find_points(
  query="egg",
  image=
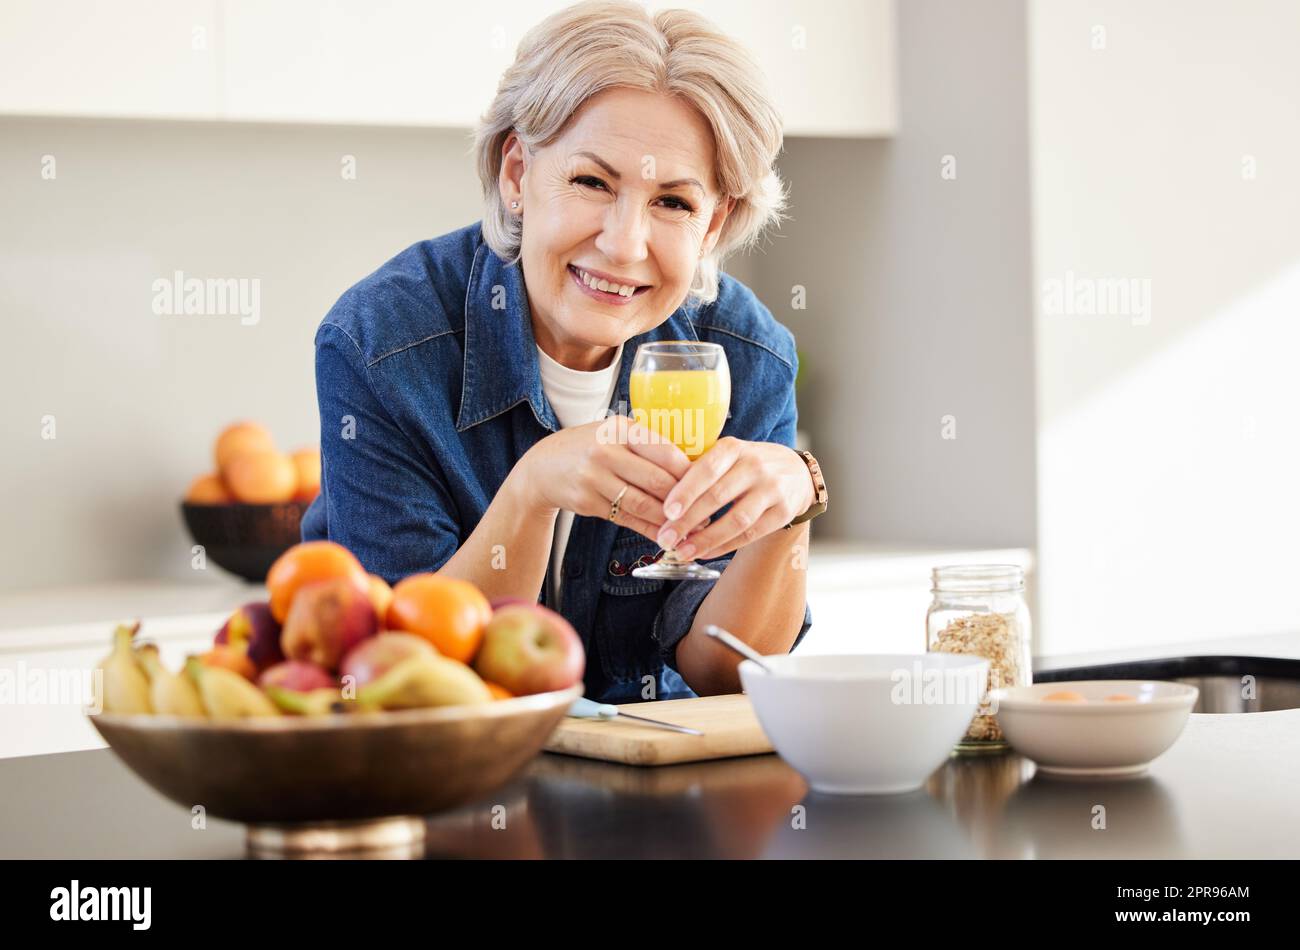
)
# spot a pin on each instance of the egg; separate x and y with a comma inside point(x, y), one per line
point(1121, 698)
point(1064, 696)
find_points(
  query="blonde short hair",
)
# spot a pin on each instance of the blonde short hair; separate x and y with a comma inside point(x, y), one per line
point(601, 44)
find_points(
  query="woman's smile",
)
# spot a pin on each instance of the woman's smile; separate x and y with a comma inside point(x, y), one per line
point(588, 283)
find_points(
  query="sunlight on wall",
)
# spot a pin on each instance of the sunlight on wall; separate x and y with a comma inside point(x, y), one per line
point(1168, 506)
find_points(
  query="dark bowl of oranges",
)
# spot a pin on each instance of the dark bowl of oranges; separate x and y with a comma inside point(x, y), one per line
point(248, 510)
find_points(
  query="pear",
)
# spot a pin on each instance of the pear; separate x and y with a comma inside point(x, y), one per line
point(170, 693)
point(425, 680)
point(314, 702)
point(226, 695)
point(123, 686)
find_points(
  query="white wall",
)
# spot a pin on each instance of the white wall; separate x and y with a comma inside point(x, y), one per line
point(138, 398)
point(1167, 446)
point(919, 292)
point(918, 302)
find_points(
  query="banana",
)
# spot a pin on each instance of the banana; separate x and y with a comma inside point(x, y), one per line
point(170, 693)
point(226, 695)
point(123, 685)
point(425, 680)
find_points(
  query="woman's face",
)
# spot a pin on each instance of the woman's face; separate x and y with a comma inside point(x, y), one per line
point(627, 193)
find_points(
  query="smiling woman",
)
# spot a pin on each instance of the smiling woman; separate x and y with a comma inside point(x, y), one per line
point(465, 386)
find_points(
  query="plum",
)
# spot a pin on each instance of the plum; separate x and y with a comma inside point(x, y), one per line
point(253, 629)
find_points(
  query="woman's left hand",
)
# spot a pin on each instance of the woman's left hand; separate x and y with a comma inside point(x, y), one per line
point(769, 484)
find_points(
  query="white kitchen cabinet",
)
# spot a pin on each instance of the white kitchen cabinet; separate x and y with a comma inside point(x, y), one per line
point(140, 59)
point(830, 64)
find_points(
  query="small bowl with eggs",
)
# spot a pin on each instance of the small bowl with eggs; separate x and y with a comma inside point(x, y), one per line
point(1097, 728)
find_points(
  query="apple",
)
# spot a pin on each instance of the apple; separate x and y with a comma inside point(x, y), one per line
point(373, 658)
point(298, 676)
point(381, 595)
point(528, 648)
point(254, 629)
point(228, 657)
point(326, 620)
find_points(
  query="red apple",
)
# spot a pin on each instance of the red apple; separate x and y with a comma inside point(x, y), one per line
point(326, 620)
point(296, 675)
point(528, 648)
point(254, 629)
point(373, 658)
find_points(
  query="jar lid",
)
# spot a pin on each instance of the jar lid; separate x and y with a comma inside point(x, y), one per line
point(977, 578)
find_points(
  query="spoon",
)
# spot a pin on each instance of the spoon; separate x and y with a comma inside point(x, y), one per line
point(737, 645)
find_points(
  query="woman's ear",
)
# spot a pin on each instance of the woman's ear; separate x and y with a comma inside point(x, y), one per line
point(513, 165)
point(720, 214)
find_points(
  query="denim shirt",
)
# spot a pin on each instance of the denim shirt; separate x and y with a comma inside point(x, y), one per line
point(429, 392)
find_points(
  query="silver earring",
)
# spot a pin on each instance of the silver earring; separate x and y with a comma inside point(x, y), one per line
point(514, 205)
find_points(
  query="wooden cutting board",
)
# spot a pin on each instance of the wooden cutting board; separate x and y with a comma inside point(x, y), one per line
point(728, 722)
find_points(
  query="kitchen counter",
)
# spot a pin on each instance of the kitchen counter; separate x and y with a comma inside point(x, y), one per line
point(1225, 790)
point(63, 632)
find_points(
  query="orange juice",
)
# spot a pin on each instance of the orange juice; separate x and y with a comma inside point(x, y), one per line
point(686, 406)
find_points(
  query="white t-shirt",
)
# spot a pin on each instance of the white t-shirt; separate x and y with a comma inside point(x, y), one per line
point(578, 398)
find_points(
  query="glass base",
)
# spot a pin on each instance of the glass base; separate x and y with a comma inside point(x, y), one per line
point(669, 570)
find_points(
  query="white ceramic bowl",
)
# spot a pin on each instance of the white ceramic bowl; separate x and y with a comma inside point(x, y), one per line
point(1094, 738)
point(866, 724)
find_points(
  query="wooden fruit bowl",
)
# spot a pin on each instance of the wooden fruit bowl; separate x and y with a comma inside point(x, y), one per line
point(288, 776)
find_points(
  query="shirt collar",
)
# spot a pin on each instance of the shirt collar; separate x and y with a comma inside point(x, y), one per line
point(501, 366)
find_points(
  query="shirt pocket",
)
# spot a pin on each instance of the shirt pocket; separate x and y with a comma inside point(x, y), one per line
point(627, 609)
point(629, 551)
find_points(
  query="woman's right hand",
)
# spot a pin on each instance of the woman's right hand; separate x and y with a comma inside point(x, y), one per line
point(583, 468)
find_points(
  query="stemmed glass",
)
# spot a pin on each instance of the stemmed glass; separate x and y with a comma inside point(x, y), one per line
point(681, 389)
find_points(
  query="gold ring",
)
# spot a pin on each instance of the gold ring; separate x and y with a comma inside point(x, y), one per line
point(613, 508)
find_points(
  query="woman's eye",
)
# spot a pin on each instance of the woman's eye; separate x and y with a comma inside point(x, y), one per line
point(590, 181)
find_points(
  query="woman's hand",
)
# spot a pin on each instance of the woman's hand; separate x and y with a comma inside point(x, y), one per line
point(769, 484)
point(583, 468)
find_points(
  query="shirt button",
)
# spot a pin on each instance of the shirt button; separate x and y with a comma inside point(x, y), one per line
point(575, 569)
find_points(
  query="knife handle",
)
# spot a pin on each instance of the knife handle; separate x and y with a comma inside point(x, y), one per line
point(589, 709)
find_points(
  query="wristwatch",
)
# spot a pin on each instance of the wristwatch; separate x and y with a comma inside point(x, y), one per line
point(819, 486)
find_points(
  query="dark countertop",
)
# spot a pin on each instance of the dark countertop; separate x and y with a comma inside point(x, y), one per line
point(1226, 789)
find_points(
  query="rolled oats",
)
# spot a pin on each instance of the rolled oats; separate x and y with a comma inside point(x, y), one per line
point(993, 636)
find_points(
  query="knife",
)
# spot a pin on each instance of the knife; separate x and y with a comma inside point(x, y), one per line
point(588, 709)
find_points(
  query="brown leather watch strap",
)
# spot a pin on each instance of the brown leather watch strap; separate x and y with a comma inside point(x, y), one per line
point(819, 487)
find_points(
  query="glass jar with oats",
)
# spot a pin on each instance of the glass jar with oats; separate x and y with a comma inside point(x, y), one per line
point(980, 609)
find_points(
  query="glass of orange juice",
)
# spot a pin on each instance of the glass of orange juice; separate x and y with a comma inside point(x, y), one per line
point(681, 389)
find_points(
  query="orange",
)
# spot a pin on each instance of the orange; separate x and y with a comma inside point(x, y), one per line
point(498, 692)
point(262, 478)
point(307, 463)
point(448, 612)
point(307, 563)
point(239, 438)
point(208, 490)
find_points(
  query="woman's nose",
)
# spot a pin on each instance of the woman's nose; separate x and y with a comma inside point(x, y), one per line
point(623, 238)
